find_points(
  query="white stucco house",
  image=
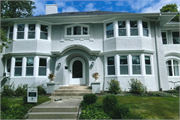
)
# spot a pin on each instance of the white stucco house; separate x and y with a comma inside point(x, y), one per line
point(74, 45)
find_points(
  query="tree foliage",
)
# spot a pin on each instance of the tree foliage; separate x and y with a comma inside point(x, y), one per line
point(16, 9)
point(171, 8)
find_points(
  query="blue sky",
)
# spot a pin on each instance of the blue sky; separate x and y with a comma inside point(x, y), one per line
point(133, 6)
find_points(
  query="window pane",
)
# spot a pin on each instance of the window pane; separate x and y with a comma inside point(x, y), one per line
point(176, 40)
point(147, 60)
point(44, 35)
point(31, 35)
point(168, 62)
point(77, 30)
point(175, 34)
point(136, 69)
point(134, 32)
point(110, 33)
point(31, 27)
point(164, 40)
point(121, 24)
point(30, 61)
point(11, 29)
point(148, 69)
point(85, 30)
point(11, 35)
point(123, 69)
point(20, 27)
point(169, 70)
point(8, 65)
point(111, 70)
point(44, 28)
point(42, 71)
point(133, 24)
point(29, 71)
point(175, 62)
point(145, 32)
point(163, 34)
point(176, 70)
point(123, 59)
point(68, 31)
point(42, 62)
point(110, 60)
point(135, 60)
point(122, 32)
point(20, 35)
point(109, 26)
point(18, 71)
point(18, 62)
point(145, 24)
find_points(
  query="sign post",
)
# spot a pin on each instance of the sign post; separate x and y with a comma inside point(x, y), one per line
point(32, 94)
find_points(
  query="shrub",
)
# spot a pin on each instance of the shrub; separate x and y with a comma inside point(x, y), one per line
point(177, 87)
point(41, 90)
point(93, 111)
point(114, 86)
point(90, 98)
point(137, 87)
point(25, 99)
point(4, 104)
point(21, 90)
point(8, 90)
point(108, 102)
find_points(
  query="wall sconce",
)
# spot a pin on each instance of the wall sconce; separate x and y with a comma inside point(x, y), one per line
point(92, 63)
point(59, 64)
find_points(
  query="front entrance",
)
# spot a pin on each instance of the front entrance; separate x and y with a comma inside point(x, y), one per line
point(77, 71)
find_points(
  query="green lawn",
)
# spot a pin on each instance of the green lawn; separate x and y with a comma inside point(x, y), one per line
point(151, 107)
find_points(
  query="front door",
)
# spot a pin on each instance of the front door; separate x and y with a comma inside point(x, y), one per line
point(77, 71)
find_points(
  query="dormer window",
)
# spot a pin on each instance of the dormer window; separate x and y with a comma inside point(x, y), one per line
point(77, 30)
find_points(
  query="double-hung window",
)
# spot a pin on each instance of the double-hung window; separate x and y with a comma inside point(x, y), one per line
point(134, 28)
point(20, 31)
point(145, 28)
point(44, 32)
point(18, 67)
point(69, 32)
point(176, 39)
point(123, 65)
point(11, 32)
point(29, 66)
point(164, 39)
point(122, 28)
point(148, 64)
point(85, 30)
point(109, 30)
point(9, 65)
point(110, 66)
point(42, 67)
point(136, 66)
point(31, 31)
point(172, 67)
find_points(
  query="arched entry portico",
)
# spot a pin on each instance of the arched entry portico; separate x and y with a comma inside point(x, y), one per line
point(77, 71)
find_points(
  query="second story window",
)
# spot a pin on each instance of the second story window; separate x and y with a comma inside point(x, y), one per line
point(145, 28)
point(77, 30)
point(175, 36)
point(122, 28)
point(164, 39)
point(69, 31)
point(31, 31)
point(109, 30)
point(134, 28)
point(44, 32)
point(20, 31)
point(148, 64)
point(11, 32)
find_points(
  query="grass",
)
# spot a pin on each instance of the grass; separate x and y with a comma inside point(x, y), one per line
point(151, 107)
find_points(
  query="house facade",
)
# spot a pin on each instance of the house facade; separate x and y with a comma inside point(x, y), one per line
point(74, 45)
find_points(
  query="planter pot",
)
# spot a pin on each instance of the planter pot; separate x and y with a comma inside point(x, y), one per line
point(97, 76)
point(51, 80)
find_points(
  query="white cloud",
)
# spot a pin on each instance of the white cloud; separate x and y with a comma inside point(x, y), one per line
point(60, 4)
point(110, 8)
point(120, 3)
point(40, 7)
point(89, 7)
point(107, 2)
point(69, 9)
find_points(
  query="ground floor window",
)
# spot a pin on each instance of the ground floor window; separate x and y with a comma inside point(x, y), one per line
point(172, 67)
point(136, 66)
point(18, 67)
point(42, 66)
point(111, 66)
point(123, 65)
point(29, 66)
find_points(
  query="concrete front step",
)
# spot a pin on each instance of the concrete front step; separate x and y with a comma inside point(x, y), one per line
point(52, 115)
point(55, 109)
point(70, 93)
point(75, 87)
point(73, 90)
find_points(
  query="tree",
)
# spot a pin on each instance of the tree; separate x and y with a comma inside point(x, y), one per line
point(16, 9)
point(171, 8)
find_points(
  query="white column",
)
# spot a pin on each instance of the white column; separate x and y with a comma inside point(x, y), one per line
point(130, 64)
point(149, 29)
point(15, 32)
point(36, 66)
point(127, 28)
point(142, 59)
point(49, 32)
point(48, 66)
point(115, 27)
point(37, 31)
point(104, 30)
point(26, 32)
point(140, 32)
point(12, 67)
point(24, 66)
point(117, 72)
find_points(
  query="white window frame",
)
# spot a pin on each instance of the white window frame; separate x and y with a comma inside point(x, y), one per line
point(31, 31)
point(166, 38)
point(106, 64)
point(72, 30)
point(140, 59)
point(172, 37)
point(123, 65)
point(30, 66)
point(44, 32)
point(133, 28)
point(172, 66)
point(148, 65)
point(106, 30)
point(148, 25)
point(43, 66)
point(122, 28)
point(19, 67)
point(21, 31)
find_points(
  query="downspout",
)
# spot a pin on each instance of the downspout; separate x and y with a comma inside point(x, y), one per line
point(155, 29)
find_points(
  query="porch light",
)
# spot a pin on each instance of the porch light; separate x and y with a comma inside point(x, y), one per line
point(59, 64)
point(92, 63)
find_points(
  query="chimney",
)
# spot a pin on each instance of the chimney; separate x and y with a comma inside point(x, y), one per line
point(51, 9)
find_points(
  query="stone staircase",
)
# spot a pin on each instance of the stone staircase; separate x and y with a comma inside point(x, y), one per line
point(67, 108)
